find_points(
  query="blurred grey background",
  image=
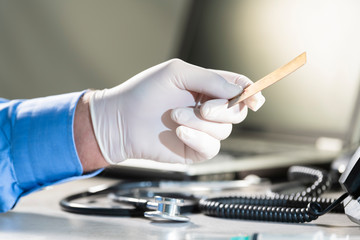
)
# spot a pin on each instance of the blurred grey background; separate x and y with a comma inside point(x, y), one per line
point(59, 46)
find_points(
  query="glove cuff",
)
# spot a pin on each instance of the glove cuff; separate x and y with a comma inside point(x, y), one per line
point(107, 125)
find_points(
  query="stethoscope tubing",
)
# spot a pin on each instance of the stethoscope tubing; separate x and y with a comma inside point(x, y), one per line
point(68, 203)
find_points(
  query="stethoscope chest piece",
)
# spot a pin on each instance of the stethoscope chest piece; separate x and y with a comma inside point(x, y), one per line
point(166, 209)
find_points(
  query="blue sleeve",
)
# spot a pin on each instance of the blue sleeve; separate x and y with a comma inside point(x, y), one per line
point(37, 146)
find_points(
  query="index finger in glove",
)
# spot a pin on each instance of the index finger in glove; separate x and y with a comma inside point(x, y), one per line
point(254, 102)
point(217, 110)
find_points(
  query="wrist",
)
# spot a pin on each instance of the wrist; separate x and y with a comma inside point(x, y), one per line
point(86, 145)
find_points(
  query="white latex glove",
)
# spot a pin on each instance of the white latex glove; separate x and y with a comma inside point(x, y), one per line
point(153, 115)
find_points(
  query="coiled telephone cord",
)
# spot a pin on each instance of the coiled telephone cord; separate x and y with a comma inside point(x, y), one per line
point(299, 207)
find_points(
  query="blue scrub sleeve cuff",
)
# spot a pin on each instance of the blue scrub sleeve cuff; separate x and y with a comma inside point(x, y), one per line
point(43, 146)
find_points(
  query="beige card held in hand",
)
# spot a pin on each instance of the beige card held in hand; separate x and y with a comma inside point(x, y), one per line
point(269, 79)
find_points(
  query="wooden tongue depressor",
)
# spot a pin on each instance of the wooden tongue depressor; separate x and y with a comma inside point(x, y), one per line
point(269, 79)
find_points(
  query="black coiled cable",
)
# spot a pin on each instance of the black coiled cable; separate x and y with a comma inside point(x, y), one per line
point(299, 207)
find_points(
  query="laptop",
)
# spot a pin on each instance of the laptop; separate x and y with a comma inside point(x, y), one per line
point(309, 118)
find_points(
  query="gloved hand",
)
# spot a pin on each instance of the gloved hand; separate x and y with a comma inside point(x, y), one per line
point(153, 115)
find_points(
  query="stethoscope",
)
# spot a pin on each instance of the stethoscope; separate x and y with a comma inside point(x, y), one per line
point(158, 200)
point(170, 200)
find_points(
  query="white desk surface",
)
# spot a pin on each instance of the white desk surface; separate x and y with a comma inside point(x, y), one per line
point(38, 216)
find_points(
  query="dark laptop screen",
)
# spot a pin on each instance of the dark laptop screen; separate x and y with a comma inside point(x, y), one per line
point(254, 37)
